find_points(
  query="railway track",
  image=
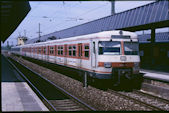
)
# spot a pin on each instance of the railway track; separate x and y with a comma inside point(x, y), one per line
point(158, 101)
point(150, 101)
point(144, 102)
point(53, 96)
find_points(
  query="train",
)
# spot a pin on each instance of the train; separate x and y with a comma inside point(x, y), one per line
point(104, 55)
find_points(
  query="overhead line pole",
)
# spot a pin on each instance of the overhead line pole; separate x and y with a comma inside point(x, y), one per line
point(39, 32)
point(112, 7)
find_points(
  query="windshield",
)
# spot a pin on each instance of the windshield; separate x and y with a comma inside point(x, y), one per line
point(109, 48)
point(131, 48)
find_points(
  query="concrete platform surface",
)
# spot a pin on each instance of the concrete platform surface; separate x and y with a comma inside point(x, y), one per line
point(156, 75)
point(18, 96)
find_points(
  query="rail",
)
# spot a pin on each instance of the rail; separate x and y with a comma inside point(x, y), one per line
point(62, 90)
point(137, 99)
point(32, 86)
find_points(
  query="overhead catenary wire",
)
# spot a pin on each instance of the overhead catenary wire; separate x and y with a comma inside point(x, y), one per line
point(48, 28)
point(89, 11)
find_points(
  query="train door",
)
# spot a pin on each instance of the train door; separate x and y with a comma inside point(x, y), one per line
point(93, 54)
point(44, 52)
point(65, 54)
point(79, 55)
point(47, 54)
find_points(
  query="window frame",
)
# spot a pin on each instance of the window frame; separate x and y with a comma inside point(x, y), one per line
point(51, 53)
point(84, 50)
point(121, 48)
point(60, 50)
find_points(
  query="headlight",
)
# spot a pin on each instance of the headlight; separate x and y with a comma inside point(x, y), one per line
point(123, 58)
point(107, 64)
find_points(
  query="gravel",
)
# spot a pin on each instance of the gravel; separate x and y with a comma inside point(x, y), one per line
point(99, 99)
point(148, 99)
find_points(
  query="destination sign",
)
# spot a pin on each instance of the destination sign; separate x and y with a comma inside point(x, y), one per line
point(120, 36)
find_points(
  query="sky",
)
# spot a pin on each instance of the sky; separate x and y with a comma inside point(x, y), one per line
point(57, 15)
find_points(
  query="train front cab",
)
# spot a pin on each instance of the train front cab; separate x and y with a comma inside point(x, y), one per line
point(118, 60)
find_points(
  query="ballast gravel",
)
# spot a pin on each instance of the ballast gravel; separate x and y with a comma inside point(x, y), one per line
point(99, 99)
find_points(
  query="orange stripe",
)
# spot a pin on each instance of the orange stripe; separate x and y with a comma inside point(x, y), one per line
point(86, 69)
point(117, 64)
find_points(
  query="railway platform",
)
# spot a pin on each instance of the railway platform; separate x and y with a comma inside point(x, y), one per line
point(16, 95)
point(152, 74)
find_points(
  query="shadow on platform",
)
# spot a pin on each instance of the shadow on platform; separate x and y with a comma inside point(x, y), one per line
point(8, 74)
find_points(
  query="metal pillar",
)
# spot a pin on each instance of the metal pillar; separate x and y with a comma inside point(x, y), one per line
point(39, 32)
point(153, 45)
point(112, 7)
point(85, 85)
point(153, 35)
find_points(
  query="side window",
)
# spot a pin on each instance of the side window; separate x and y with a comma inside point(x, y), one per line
point(70, 50)
point(35, 50)
point(65, 50)
point(94, 49)
point(39, 50)
point(58, 50)
point(61, 50)
point(74, 50)
point(51, 50)
point(44, 50)
point(86, 51)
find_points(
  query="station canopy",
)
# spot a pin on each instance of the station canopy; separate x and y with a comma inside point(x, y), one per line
point(12, 14)
point(153, 15)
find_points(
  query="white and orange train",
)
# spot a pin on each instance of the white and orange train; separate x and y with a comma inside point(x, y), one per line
point(103, 55)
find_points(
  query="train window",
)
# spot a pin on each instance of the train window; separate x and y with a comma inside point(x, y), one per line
point(35, 50)
point(39, 50)
point(74, 50)
point(109, 48)
point(70, 50)
point(44, 50)
point(131, 48)
point(61, 50)
point(86, 50)
point(94, 50)
point(58, 50)
point(65, 50)
point(51, 50)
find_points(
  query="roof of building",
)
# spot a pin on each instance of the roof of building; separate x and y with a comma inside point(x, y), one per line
point(12, 14)
point(141, 18)
point(160, 37)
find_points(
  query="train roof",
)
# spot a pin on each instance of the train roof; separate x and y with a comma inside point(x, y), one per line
point(94, 35)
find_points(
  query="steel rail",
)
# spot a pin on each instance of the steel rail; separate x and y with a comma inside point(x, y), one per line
point(137, 101)
point(143, 93)
point(62, 90)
